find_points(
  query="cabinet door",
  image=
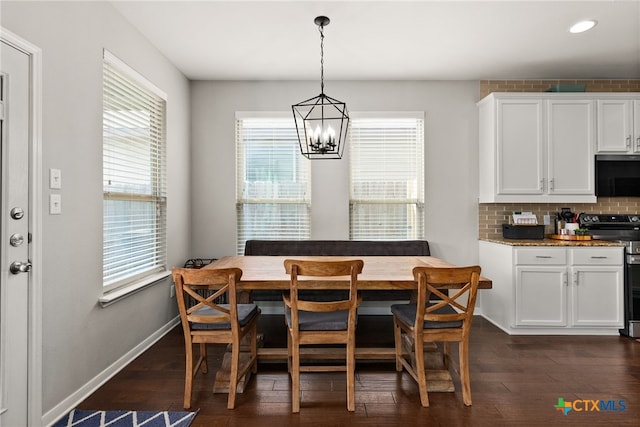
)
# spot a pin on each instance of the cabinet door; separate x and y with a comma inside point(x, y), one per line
point(570, 142)
point(615, 125)
point(597, 296)
point(636, 126)
point(520, 147)
point(541, 296)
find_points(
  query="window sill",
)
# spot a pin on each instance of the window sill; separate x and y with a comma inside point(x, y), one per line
point(110, 297)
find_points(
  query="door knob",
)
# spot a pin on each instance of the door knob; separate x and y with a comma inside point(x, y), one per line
point(20, 267)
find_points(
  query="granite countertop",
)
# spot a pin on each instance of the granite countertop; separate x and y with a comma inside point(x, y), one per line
point(552, 242)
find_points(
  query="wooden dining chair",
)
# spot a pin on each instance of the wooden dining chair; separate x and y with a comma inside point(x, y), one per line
point(205, 321)
point(327, 322)
point(445, 320)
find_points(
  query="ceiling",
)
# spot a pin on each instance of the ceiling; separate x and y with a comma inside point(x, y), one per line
point(392, 40)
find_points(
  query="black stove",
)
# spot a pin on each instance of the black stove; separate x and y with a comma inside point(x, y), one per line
point(625, 229)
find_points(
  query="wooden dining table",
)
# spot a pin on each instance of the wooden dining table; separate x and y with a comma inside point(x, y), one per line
point(379, 273)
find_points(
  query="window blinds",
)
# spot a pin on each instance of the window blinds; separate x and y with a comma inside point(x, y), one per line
point(273, 188)
point(134, 163)
point(387, 177)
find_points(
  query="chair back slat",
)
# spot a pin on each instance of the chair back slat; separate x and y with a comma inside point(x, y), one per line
point(189, 284)
point(432, 280)
point(301, 270)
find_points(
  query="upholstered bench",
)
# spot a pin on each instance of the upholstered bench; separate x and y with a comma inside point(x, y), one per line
point(353, 248)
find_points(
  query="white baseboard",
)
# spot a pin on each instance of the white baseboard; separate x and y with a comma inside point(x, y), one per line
point(85, 391)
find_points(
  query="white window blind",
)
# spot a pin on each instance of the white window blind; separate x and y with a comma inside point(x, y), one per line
point(273, 186)
point(134, 157)
point(387, 176)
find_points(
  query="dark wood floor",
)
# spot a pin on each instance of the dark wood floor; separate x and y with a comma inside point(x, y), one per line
point(515, 381)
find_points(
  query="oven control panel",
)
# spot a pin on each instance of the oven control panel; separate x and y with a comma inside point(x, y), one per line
point(609, 219)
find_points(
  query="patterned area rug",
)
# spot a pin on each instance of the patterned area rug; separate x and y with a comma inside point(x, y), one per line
point(80, 418)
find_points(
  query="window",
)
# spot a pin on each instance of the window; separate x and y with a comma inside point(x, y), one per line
point(134, 156)
point(273, 187)
point(387, 176)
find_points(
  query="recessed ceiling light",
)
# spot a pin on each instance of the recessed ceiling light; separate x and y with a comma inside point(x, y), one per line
point(582, 26)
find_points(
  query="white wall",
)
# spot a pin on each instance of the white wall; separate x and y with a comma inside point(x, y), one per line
point(451, 135)
point(80, 339)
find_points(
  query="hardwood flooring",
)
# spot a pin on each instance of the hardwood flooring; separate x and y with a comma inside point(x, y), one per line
point(515, 381)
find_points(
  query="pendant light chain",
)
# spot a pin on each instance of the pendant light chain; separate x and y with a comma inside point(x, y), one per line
point(321, 27)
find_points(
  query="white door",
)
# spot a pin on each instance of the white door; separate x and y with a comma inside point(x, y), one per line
point(15, 115)
point(570, 140)
point(520, 147)
point(615, 125)
point(597, 296)
point(541, 296)
point(636, 126)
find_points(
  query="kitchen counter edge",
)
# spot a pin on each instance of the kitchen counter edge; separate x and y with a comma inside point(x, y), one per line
point(552, 242)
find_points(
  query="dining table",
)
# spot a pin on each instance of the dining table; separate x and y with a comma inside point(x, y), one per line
point(379, 273)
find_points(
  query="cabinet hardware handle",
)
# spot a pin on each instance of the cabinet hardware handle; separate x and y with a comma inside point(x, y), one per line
point(542, 184)
point(564, 278)
point(628, 141)
point(551, 184)
point(543, 256)
point(599, 257)
point(638, 143)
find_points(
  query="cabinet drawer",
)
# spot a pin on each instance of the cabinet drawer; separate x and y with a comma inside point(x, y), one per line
point(541, 256)
point(597, 256)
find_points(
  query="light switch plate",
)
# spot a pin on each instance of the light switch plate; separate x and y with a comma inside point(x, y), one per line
point(55, 204)
point(55, 179)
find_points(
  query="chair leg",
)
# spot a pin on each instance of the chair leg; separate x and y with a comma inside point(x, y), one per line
point(188, 375)
point(233, 375)
point(351, 377)
point(397, 337)
point(463, 349)
point(289, 353)
point(254, 347)
point(203, 356)
point(420, 369)
point(445, 354)
point(295, 379)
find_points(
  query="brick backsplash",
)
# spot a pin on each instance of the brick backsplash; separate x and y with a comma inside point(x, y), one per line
point(491, 216)
point(489, 86)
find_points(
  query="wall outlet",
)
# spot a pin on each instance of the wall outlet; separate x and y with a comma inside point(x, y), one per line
point(172, 291)
point(547, 220)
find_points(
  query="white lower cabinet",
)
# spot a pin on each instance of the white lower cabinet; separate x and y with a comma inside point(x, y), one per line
point(596, 296)
point(553, 290)
point(541, 296)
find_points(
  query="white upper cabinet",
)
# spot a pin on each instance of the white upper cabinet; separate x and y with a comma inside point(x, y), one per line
point(570, 137)
point(536, 148)
point(520, 150)
point(618, 125)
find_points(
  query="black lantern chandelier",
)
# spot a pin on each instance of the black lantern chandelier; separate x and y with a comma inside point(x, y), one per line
point(321, 121)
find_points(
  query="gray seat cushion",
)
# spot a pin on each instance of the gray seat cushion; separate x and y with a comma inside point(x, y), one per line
point(321, 321)
point(246, 312)
point(407, 313)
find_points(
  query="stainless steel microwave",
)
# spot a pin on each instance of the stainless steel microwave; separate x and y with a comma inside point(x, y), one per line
point(618, 175)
